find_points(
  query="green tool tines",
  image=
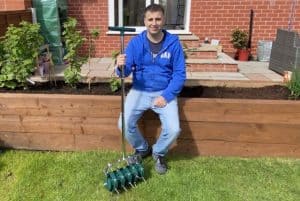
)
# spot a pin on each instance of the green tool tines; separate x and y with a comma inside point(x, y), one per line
point(122, 178)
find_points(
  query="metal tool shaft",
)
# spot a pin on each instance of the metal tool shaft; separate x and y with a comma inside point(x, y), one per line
point(122, 30)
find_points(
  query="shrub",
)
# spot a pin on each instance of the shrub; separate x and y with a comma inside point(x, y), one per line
point(294, 84)
point(73, 40)
point(239, 38)
point(93, 35)
point(19, 51)
point(114, 82)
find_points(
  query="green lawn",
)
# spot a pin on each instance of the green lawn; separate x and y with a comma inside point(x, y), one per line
point(53, 176)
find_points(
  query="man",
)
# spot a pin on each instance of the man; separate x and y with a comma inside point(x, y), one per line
point(156, 60)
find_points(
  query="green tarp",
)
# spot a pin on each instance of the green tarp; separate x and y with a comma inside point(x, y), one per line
point(50, 15)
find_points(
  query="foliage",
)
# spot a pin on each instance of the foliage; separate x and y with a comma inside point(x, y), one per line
point(239, 38)
point(114, 54)
point(19, 51)
point(74, 41)
point(94, 33)
point(72, 76)
point(115, 83)
point(77, 176)
point(294, 84)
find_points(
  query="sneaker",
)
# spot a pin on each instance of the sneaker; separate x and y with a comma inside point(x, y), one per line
point(143, 154)
point(160, 164)
point(137, 156)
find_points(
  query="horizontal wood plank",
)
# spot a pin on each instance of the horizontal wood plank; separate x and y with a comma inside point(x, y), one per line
point(209, 126)
point(57, 125)
point(232, 132)
point(60, 105)
point(106, 141)
point(35, 141)
point(223, 148)
point(241, 111)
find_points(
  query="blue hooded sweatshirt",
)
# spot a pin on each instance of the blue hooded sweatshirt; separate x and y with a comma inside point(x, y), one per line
point(165, 72)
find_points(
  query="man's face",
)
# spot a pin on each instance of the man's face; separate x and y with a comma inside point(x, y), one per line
point(154, 21)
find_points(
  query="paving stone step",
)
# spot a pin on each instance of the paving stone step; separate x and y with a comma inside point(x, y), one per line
point(223, 63)
point(199, 54)
point(198, 67)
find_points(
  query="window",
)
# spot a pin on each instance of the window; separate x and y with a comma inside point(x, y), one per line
point(176, 12)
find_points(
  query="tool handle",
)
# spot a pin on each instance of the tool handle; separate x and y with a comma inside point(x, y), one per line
point(121, 29)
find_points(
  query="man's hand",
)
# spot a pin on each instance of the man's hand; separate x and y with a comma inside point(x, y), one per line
point(121, 60)
point(159, 102)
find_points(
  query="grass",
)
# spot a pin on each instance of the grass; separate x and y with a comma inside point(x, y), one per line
point(54, 176)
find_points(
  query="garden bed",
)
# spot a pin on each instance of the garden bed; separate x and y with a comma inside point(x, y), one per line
point(210, 126)
point(271, 92)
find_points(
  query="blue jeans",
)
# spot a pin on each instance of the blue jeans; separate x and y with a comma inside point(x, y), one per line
point(137, 102)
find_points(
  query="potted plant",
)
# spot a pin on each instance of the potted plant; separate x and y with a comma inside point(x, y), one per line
point(239, 39)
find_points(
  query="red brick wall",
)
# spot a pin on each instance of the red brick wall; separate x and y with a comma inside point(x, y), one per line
point(94, 14)
point(13, 17)
point(216, 18)
point(2, 5)
point(209, 18)
point(8, 5)
point(28, 4)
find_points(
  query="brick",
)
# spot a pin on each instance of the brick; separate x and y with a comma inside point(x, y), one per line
point(208, 18)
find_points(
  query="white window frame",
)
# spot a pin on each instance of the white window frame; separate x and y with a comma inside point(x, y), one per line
point(139, 29)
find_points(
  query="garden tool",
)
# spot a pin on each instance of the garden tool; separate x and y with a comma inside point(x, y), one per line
point(126, 172)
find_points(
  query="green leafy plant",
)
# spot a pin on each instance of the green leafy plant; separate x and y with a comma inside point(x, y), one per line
point(94, 33)
point(19, 51)
point(74, 41)
point(115, 82)
point(239, 38)
point(115, 54)
point(294, 84)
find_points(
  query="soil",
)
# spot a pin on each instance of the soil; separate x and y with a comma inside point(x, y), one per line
point(275, 92)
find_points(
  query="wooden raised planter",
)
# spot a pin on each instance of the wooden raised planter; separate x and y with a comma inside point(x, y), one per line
point(221, 127)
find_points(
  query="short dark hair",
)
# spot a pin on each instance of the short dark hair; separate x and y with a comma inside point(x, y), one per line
point(154, 8)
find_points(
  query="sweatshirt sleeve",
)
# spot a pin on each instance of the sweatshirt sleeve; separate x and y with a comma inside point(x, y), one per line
point(129, 60)
point(179, 74)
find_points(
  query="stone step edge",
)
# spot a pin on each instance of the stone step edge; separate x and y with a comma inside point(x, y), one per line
point(203, 49)
point(222, 58)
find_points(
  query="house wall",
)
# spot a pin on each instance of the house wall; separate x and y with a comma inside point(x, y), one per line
point(209, 18)
point(9, 5)
point(216, 19)
point(13, 17)
point(94, 14)
point(13, 12)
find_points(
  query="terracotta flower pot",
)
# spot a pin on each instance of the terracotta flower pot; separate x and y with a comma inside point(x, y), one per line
point(243, 54)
